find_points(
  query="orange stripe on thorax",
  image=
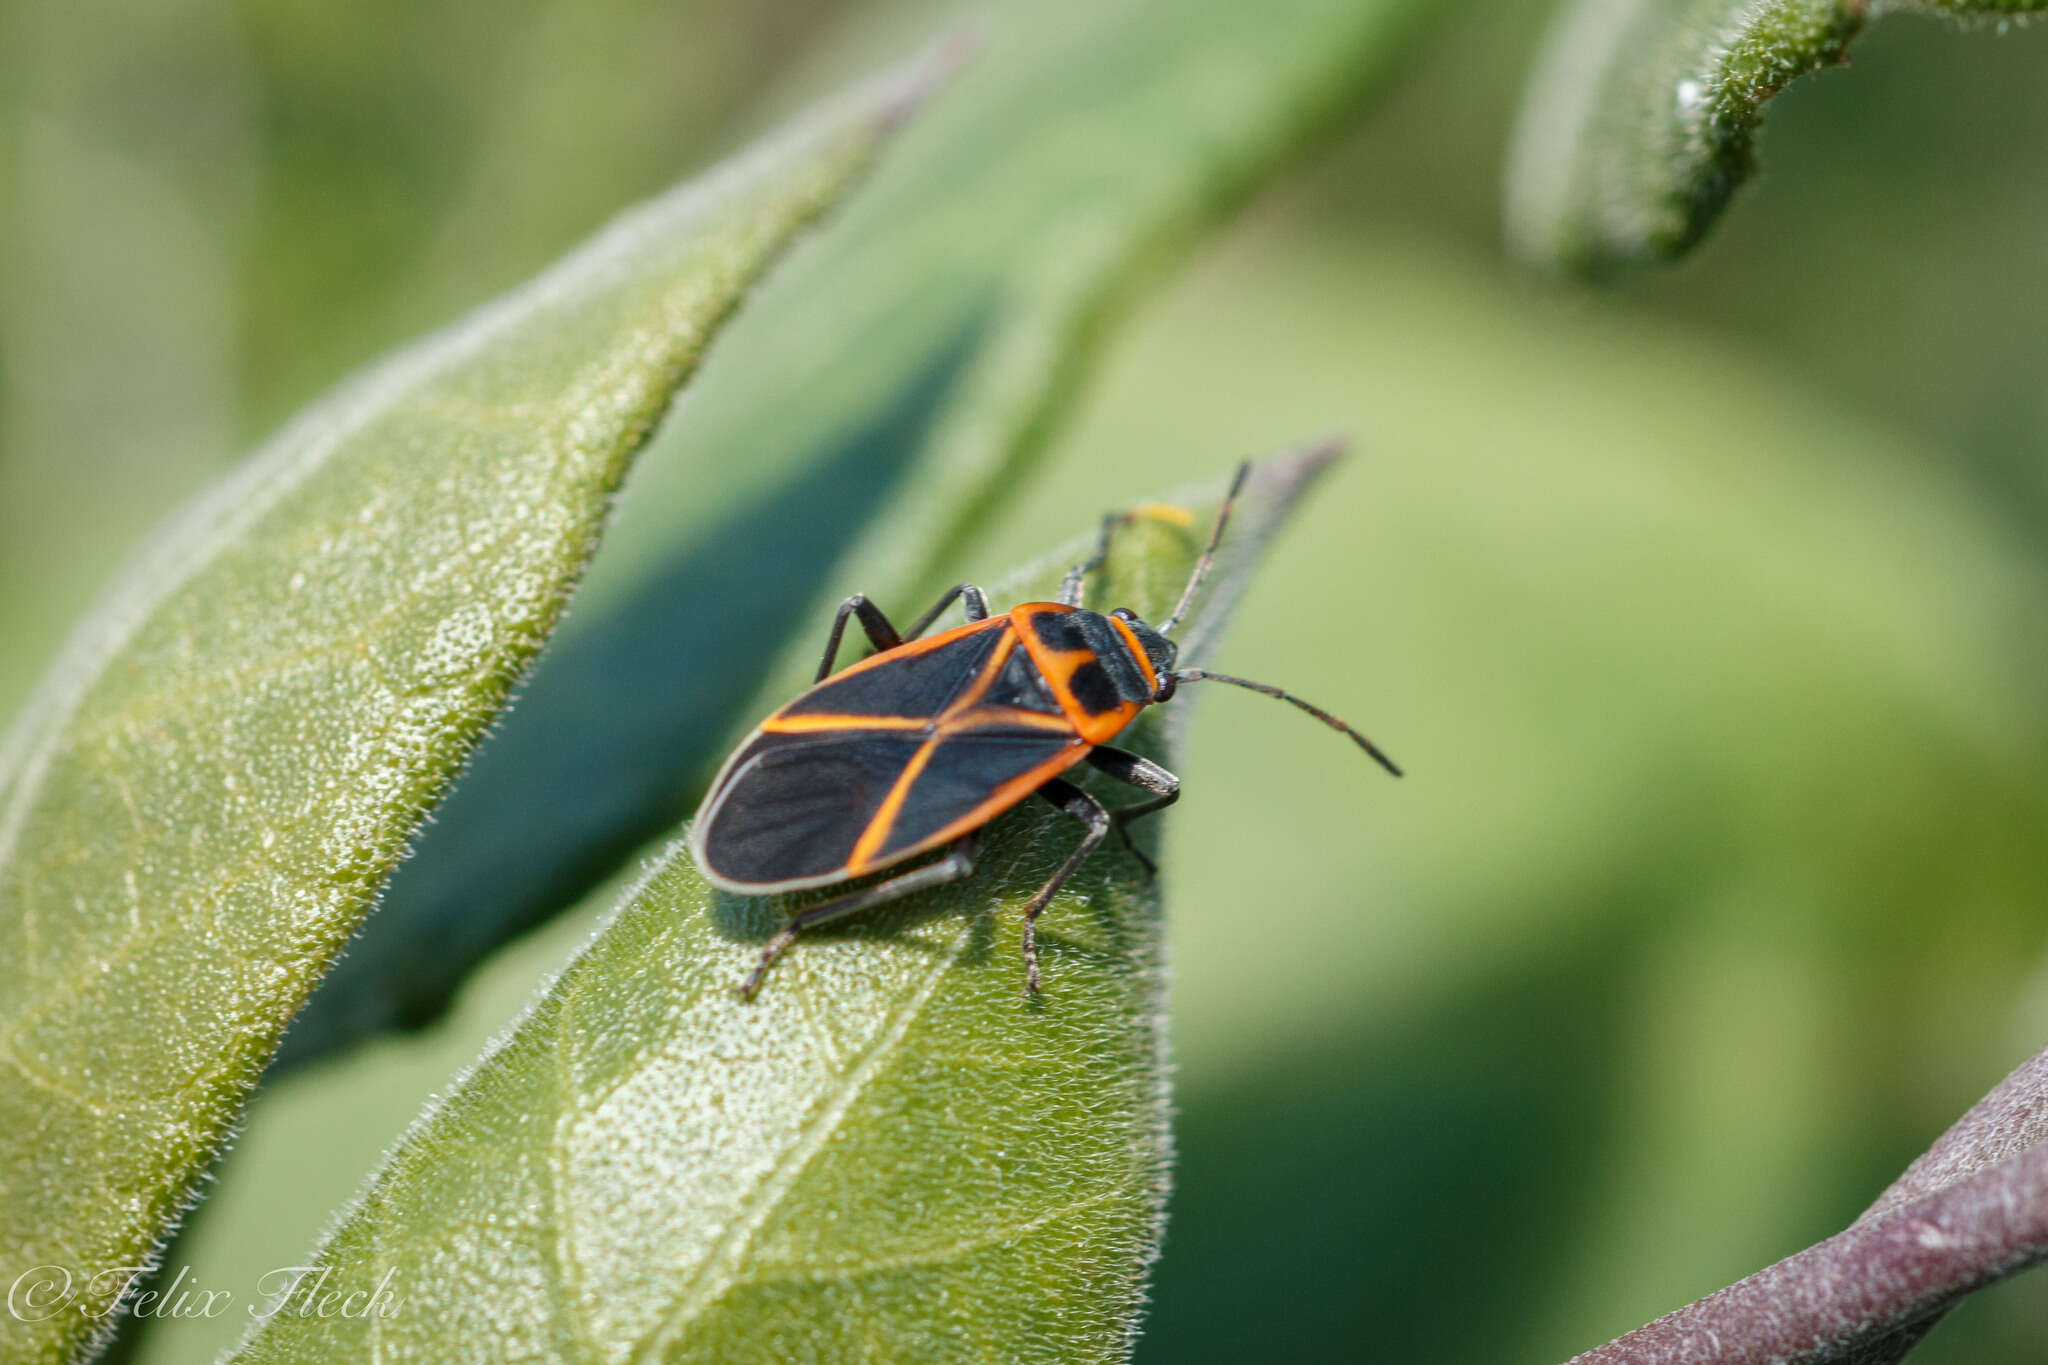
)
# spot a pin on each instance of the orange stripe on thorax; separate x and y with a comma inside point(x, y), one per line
point(1058, 667)
point(1138, 653)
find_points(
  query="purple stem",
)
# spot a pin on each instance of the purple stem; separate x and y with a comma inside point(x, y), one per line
point(1971, 1211)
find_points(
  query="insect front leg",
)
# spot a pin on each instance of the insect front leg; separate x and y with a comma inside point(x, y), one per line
point(1070, 586)
point(958, 863)
point(1085, 808)
point(1143, 773)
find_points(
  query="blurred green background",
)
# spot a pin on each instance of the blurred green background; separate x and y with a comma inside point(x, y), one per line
point(1705, 612)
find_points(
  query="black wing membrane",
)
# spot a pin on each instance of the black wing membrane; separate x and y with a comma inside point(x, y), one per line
point(975, 773)
point(867, 768)
point(793, 806)
point(916, 682)
point(796, 808)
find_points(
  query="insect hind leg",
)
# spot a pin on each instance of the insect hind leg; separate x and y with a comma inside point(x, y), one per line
point(884, 635)
point(974, 604)
point(1085, 808)
point(881, 634)
point(958, 863)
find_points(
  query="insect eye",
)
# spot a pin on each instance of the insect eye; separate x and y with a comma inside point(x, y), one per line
point(1124, 614)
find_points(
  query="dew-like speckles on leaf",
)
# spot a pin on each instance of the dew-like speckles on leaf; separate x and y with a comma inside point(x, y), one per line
point(198, 807)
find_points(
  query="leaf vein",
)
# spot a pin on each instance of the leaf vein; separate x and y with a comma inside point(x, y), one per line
point(716, 1278)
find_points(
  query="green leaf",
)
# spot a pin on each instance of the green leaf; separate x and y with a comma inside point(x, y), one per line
point(890, 1154)
point(1641, 116)
point(887, 390)
point(199, 806)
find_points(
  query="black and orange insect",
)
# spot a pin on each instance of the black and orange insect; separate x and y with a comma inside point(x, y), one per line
point(922, 743)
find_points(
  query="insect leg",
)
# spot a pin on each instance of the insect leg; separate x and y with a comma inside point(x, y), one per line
point(1208, 559)
point(1089, 812)
point(958, 863)
point(1139, 772)
point(976, 608)
point(1070, 586)
point(880, 633)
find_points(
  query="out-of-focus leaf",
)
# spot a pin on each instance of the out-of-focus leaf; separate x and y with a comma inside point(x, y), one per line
point(1697, 727)
point(889, 1154)
point(1641, 116)
point(860, 423)
point(198, 807)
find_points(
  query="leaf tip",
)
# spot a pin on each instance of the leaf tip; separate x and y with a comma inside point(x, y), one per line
point(906, 89)
point(1284, 477)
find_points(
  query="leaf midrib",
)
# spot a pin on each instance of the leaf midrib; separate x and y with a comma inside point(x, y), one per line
point(716, 1277)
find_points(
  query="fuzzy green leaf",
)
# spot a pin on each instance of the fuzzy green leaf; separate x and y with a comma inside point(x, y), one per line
point(888, 1155)
point(886, 390)
point(1641, 117)
point(230, 758)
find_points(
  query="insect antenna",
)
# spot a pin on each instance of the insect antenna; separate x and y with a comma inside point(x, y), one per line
point(1203, 675)
point(1208, 559)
